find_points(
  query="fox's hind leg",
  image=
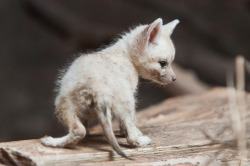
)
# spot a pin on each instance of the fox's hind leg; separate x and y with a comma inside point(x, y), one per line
point(66, 113)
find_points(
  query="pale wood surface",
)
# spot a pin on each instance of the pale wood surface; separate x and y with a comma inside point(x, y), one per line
point(180, 129)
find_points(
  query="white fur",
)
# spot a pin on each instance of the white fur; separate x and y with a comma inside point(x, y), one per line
point(144, 140)
point(102, 84)
point(54, 142)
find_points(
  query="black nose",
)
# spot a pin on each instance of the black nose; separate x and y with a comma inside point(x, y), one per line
point(173, 78)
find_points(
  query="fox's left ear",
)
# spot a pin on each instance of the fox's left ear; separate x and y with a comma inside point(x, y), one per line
point(150, 35)
point(169, 27)
point(154, 31)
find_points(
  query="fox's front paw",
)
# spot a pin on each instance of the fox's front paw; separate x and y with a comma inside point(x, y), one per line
point(49, 141)
point(140, 141)
point(144, 140)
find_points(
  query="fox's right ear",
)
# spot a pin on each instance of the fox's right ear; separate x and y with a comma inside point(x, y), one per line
point(169, 27)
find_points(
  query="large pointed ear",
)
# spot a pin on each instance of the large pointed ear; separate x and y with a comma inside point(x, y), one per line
point(150, 35)
point(169, 27)
point(153, 31)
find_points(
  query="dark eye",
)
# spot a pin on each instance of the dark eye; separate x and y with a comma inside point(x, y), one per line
point(163, 63)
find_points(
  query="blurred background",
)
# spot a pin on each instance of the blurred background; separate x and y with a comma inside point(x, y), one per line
point(39, 37)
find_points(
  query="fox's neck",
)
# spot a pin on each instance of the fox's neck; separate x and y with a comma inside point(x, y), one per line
point(121, 48)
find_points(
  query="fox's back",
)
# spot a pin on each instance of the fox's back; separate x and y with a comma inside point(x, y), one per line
point(99, 73)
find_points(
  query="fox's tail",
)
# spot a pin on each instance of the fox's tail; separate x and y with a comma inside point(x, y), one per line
point(105, 118)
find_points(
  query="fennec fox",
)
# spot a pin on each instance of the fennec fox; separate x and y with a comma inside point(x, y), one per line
point(103, 84)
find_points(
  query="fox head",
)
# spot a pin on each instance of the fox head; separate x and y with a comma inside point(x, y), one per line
point(153, 52)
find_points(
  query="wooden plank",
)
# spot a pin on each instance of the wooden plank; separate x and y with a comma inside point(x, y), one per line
point(185, 130)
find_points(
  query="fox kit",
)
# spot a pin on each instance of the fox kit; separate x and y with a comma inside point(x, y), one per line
point(102, 84)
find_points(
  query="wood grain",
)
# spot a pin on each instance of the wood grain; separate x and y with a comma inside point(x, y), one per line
point(187, 130)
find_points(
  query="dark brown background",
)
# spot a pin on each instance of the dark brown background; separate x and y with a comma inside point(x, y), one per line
point(38, 37)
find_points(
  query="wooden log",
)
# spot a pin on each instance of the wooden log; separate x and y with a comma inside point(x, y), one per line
point(187, 130)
